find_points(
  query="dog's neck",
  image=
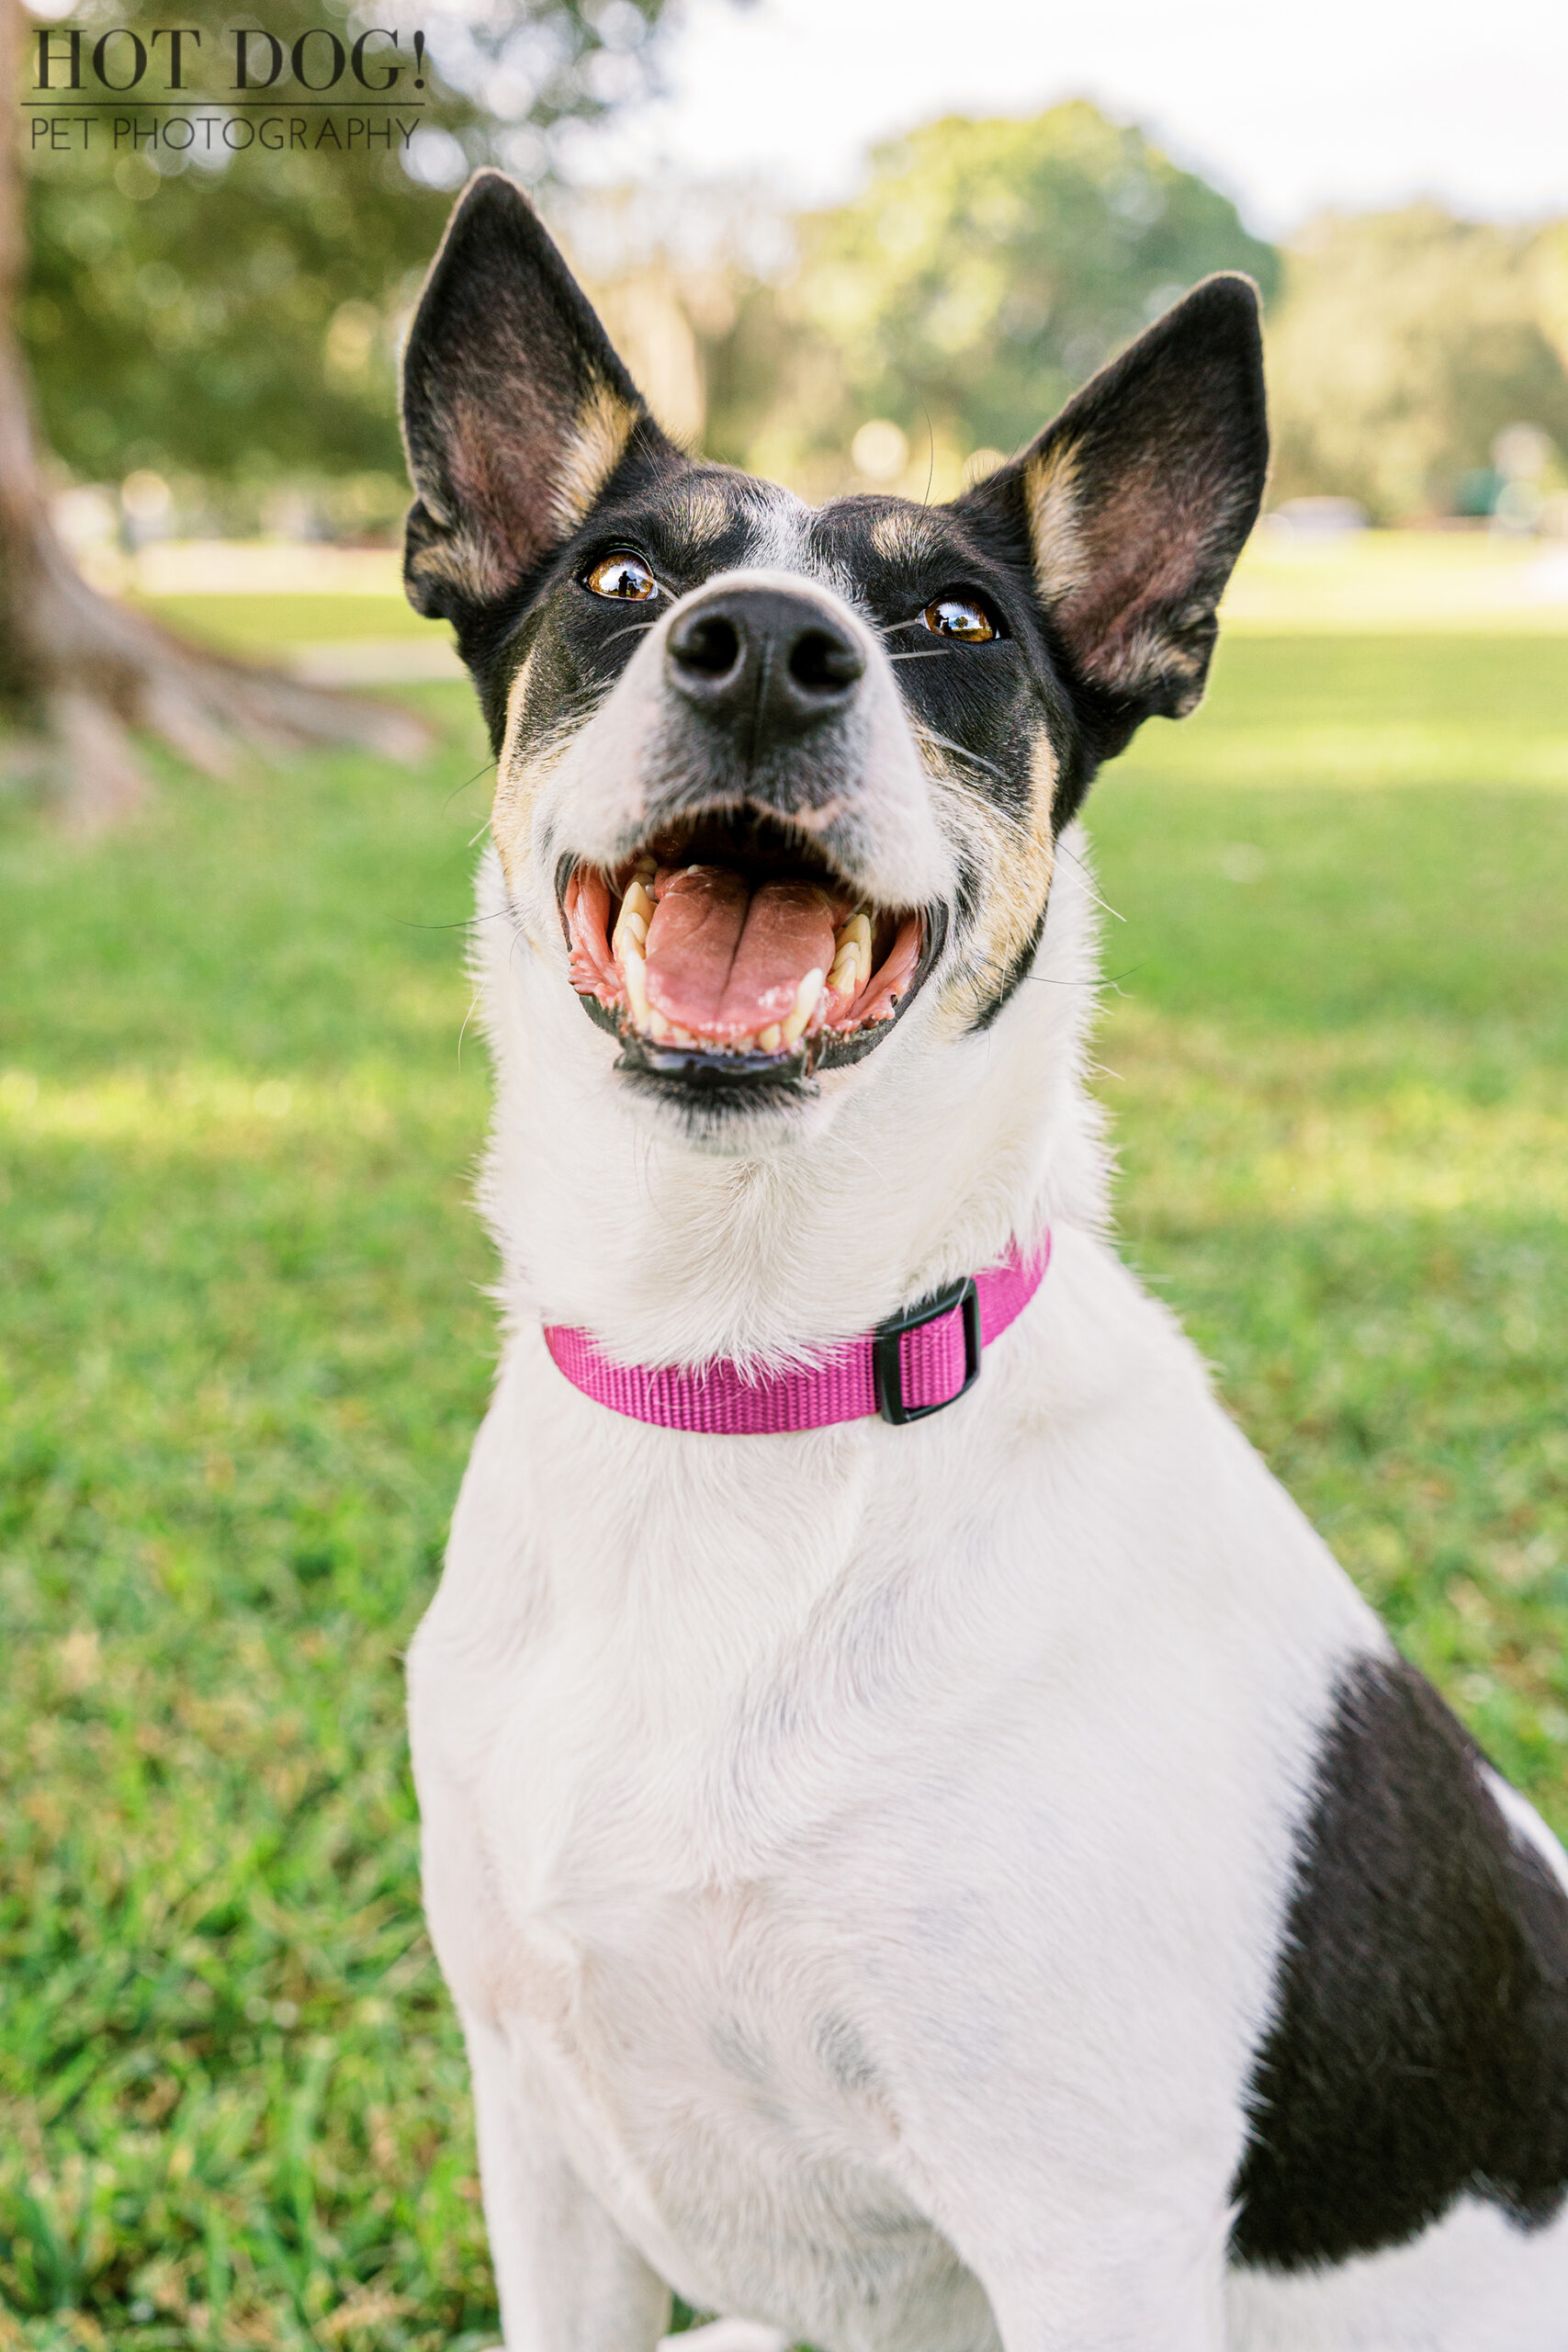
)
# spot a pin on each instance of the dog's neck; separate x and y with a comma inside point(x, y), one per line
point(669, 1253)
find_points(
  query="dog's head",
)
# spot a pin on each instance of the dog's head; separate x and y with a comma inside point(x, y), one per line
point(779, 789)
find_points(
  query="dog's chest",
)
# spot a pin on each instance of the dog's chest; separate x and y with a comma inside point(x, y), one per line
point(702, 2032)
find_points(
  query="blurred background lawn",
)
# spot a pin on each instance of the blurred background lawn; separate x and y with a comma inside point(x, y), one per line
point(244, 1334)
point(243, 1344)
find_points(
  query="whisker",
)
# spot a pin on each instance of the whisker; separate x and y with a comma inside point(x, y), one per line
point(1104, 904)
point(929, 735)
point(464, 1030)
point(934, 655)
point(467, 781)
point(632, 629)
point(469, 922)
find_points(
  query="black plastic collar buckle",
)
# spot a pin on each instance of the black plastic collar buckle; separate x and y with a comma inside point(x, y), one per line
point(886, 1365)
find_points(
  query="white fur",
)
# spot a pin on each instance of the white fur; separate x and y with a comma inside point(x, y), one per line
point(859, 1857)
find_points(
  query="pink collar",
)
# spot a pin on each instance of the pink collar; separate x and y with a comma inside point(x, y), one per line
point(919, 1360)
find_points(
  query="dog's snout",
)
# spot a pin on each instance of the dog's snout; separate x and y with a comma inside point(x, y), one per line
point(765, 662)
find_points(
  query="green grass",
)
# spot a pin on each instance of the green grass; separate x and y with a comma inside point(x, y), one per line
point(243, 1344)
point(267, 624)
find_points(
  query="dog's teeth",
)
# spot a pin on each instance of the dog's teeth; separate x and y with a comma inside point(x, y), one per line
point(631, 923)
point(747, 1044)
point(647, 866)
point(807, 998)
point(657, 1026)
point(679, 1036)
point(770, 1038)
point(852, 955)
point(634, 972)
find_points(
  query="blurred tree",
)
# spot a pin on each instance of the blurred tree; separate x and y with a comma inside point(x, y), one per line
point(244, 307)
point(1403, 343)
point(209, 315)
point(988, 267)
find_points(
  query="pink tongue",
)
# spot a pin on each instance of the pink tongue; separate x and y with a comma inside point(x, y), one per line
point(724, 961)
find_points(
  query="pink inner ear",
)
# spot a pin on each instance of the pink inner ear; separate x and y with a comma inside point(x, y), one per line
point(499, 468)
point(1147, 550)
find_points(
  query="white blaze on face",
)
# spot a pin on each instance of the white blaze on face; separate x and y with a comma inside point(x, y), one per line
point(883, 828)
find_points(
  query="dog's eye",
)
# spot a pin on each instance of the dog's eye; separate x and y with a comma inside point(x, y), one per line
point(963, 617)
point(623, 575)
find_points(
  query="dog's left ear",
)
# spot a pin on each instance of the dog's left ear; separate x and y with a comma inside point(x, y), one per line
point(517, 410)
point(1136, 502)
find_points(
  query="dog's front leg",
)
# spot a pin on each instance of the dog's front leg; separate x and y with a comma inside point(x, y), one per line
point(568, 2281)
point(1070, 2272)
point(1126, 2300)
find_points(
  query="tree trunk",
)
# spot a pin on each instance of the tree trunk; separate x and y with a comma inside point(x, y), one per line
point(78, 669)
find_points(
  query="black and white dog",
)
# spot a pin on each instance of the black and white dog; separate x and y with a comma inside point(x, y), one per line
point(910, 1880)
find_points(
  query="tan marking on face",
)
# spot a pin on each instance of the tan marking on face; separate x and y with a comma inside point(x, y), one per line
point(1061, 556)
point(520, 775)
point(597, 444)
point(902, 536)
point(1018, 859)
point(699, 514)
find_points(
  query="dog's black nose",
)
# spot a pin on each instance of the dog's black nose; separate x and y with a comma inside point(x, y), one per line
point(766, 665)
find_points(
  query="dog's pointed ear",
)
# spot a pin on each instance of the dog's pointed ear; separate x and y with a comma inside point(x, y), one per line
point(517, 411)
point(1136, 502)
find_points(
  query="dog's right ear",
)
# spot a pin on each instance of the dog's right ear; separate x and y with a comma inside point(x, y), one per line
point(517, 411)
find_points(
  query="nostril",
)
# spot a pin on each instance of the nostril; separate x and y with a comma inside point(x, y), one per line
point(824, 663)
point(707, 644)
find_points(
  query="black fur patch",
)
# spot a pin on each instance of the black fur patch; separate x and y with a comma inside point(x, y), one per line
point(1421, 2048)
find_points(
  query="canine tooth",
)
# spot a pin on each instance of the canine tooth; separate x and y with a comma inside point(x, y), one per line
point(770, 1038)
point(634, 969)
point(845, 978)
point(807, 998)
point(631, 923)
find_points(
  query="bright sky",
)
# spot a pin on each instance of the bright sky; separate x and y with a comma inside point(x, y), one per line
point(1287, 104)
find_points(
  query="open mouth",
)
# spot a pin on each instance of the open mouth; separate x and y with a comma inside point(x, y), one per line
point(728, 948)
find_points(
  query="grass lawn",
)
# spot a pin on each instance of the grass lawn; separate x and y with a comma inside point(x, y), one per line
point(275, 624)
point(244, 1345)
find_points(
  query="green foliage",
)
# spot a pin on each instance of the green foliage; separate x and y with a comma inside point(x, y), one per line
point(988, 269)
point(1403, 343)
point(233, 320)
point(244, 1346)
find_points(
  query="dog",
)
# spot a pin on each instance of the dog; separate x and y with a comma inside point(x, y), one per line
point(927, 1847)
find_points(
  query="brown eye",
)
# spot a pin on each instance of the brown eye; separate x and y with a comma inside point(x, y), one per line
point(625, 576)
point(963, 617)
